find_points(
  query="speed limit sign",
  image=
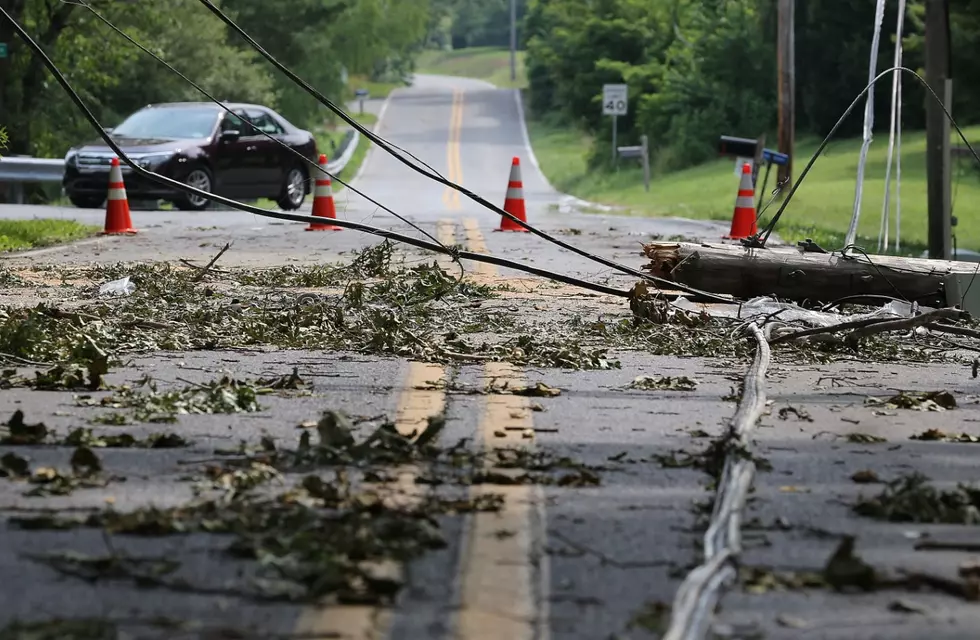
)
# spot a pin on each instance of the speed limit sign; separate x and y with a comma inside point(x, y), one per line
point(614, 99)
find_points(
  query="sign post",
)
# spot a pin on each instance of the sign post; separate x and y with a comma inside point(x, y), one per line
point(361, 94)
point(643, 153)
point(615, 99)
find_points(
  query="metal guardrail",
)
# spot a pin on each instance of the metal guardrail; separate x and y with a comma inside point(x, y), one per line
point(28, 169)
point(18, 170)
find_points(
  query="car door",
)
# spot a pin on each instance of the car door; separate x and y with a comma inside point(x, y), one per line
point(270, 165)
point(232, 157)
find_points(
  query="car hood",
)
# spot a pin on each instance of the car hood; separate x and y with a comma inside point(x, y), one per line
point(135, 145)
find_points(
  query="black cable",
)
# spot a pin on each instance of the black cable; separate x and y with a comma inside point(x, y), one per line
point(384, 144)
point(384, 233)
point(477, 257)
point(83, 3)
point(757, 240)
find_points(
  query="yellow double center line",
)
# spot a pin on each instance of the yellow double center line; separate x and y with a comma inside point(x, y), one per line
point(503, 576)
point(504, 570)
point(450, 196)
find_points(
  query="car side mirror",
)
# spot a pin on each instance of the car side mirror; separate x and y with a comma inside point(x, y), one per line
point(108, 129)
point(230, 135)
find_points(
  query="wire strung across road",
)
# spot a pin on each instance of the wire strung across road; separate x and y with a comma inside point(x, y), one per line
point(182, 76)
point(385, 233)
point(384, 144)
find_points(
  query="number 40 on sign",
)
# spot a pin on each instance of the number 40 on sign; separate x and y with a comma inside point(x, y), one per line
point(614, 99)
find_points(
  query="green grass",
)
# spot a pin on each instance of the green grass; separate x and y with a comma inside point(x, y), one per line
point(483, 63)
point(334, 133)
point(357, 159)
point(18, 235)
point(820, 209)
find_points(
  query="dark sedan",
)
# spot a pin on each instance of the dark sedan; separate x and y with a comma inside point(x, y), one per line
point(201, 145)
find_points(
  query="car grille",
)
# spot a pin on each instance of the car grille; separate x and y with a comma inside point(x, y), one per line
point(98, 162)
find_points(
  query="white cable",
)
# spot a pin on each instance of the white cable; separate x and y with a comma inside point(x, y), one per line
point(898, 171)
point(868, 123)
point(896, 107)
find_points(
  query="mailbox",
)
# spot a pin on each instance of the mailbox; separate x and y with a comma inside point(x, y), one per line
point(774, 157)
point(739, 147)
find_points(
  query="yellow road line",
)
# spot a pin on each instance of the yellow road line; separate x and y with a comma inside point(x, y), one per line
point(446, 235)
point(418, 400)
point(450, 197)
point(476, 243)
point(499, 581)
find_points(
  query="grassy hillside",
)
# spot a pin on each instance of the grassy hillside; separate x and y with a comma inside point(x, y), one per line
point(484, 63)
point(821, 208)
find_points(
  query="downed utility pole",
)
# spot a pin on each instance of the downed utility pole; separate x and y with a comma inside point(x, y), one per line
point(795, 274)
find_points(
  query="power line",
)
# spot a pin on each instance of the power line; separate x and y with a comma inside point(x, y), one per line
point(438, 178)
point(759, 239)
point(347, 224)
point(282, 144)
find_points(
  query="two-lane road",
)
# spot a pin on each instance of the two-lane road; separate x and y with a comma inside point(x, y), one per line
point(594, 562)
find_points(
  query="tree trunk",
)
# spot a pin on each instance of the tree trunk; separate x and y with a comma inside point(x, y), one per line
point(22, 89)
point(15, 9)
point(793, 274)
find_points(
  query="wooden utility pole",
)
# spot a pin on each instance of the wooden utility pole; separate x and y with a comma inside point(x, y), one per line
point(786, 64)
point(937, 129)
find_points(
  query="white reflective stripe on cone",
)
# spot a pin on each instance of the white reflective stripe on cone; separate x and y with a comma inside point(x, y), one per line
point(117, 194)
point(515, 193)
point(322, 191)
point(744, 202)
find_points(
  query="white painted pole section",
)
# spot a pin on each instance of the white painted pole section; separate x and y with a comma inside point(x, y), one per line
point(868, 123)
point(892, 131)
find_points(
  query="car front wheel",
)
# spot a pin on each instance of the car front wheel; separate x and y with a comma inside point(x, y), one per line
point(199, 178)
point(87, 202)
point(293, 190)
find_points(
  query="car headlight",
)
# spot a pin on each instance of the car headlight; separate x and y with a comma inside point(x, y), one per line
point(71, 159)
point(153, 160)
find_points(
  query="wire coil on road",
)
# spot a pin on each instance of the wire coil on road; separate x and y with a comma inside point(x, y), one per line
point(700, 592)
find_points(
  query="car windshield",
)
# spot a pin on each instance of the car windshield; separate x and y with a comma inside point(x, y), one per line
point(173, 123)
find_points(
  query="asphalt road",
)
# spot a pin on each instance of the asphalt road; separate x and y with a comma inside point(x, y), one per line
point(560, 562)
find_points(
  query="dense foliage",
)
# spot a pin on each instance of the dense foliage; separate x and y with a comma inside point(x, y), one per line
point(698, 69)
point(318, 39)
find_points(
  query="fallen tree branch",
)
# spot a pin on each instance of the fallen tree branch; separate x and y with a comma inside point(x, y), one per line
point(870, 326)
point(204, 270)
point(843, 326)
point(948, 328)
point(903, 324)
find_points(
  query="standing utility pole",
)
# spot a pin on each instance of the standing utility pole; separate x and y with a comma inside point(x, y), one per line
point(937, 129)
point(786, 64)
point(513, 40)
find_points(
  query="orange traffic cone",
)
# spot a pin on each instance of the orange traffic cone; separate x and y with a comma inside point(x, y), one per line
point(323, 206)
point(743, 219)
point(117, 220)
point(514, 200)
